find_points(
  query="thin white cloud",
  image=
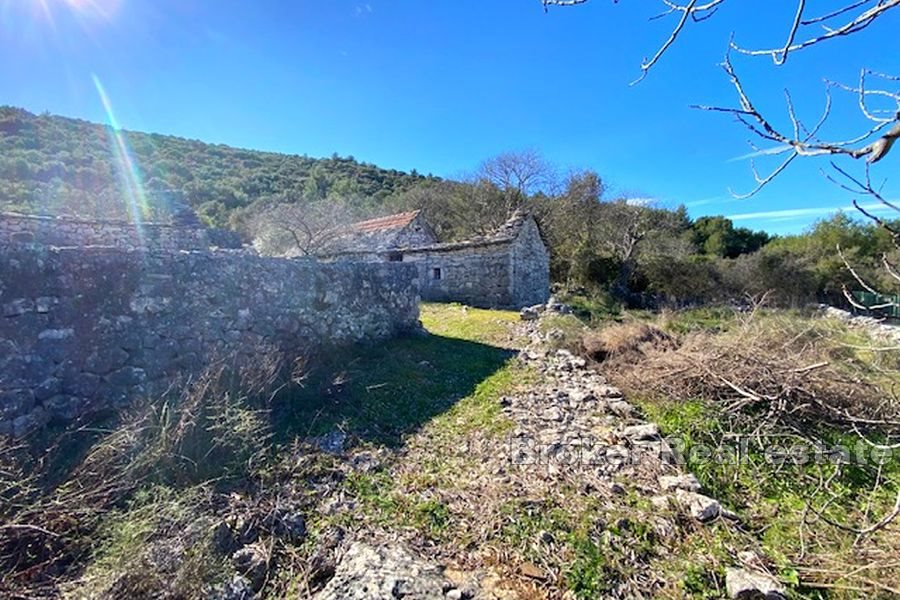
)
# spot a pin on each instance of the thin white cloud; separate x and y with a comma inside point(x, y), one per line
point(799, 213)
point(713, 200)
point(362, 9)
point(764, 152)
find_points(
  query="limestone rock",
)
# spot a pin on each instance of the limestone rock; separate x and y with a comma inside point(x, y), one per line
point(621, 408)
point(703, 508)
point(365, 462)
point(290, 524)
point(661, 502)
point(687, 482)
point(22, 426)
point(746, 585)
point(645, 432)
point(15, 402)
point(366, 572)
point(332, 442)
point(530, 313)
point(558, 307)
point(252, 562)
point(236, 589)
point(608, 391)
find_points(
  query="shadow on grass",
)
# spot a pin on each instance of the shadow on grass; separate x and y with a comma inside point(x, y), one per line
point(381, 393)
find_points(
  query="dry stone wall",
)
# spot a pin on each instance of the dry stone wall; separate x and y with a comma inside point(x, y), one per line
point(530, 262)
point(501, 274)
point(87, 328)
point(68, 231)
point(510, 269)
point(473, 275)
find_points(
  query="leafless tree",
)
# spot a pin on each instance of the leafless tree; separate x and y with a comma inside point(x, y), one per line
point(299, 229)
point(482, 201)
point(872, 144)
point(517, 175)
point(625, 227)
point(524, 172)
point(864, 187)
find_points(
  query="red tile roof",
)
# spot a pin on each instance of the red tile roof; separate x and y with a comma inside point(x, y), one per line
point(398, 221)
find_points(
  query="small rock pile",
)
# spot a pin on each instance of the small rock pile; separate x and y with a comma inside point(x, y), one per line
point(877, 327)
point(367, 572)
point(533, 313)
point(578, 427)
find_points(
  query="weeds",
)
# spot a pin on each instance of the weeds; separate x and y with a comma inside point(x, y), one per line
point(765, 377)
point(125, 482)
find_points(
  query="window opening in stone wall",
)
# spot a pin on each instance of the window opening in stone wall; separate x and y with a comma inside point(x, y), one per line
point(395, 257)
point(436, 273)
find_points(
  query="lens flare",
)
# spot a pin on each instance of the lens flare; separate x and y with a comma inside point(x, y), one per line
point(103, 9)
point(55, 22)
point(92, 8)
point(129, 176)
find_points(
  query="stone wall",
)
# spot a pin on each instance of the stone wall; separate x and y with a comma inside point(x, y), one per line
point(508, 274)
point(530, 267)
point(507, 269)
point(501, 273)
point(86, 328)
point(473, 275)
point(19, 229)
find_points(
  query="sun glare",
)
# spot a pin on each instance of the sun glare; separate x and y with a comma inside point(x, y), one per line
point(102, 8)
point(50, 10)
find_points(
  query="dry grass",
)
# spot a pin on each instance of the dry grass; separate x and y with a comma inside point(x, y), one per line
point(772, 376)
point(626, 342)
point(775, 370)
point(59, 489)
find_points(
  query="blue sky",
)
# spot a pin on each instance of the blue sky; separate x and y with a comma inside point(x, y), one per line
point(440, 85)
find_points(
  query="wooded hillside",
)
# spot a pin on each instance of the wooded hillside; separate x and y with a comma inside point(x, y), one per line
point(52, 164)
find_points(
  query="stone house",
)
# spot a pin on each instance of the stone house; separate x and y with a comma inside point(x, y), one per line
point(509, 268)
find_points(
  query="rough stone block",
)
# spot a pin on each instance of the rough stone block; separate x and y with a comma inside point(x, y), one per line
point(105, 360)
point(15, 402)
point(127, 377)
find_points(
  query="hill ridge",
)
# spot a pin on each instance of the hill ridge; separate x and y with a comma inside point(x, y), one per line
point(64, 165)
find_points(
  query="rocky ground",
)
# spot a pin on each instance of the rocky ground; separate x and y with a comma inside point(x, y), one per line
point(475, 461)
point(573, 445)
point(877, 327)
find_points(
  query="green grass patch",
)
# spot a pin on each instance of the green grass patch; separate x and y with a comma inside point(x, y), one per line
point(777, 498)
point(124, 561)
point(432, 394)
point(380, 394)
point(492, 327)
point(711, 319)
point(591, 308)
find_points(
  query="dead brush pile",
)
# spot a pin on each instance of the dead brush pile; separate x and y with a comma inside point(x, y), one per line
point(768, 370)
point(780, 381)
point(625, 343)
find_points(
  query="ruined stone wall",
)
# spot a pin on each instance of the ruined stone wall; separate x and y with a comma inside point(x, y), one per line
point(530, 267)
point(86, 328)
point(509, 274)
point(19, 229)
point(418, 233)
point(473, 275)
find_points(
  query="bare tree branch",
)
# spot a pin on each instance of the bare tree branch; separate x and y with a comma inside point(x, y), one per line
point(858, 23)
point(700, 12)
point(303, 229)
point(805, 141)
